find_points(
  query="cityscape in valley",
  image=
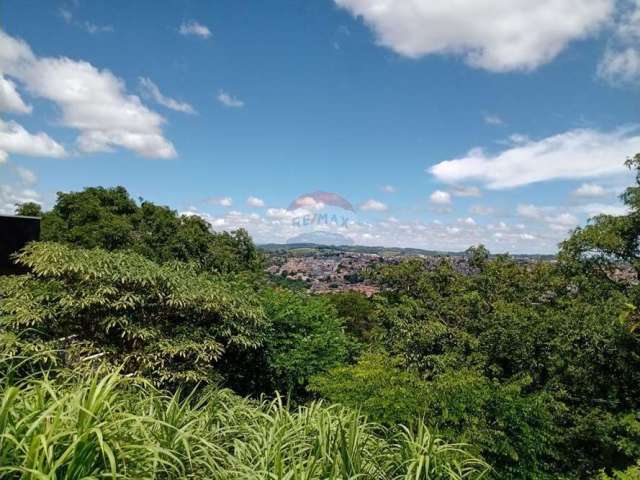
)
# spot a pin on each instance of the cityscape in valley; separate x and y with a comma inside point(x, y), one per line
point(326, 268)
point(320, 240)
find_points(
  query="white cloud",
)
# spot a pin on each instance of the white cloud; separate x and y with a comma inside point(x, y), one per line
point(481, 210)
point(228, 100)
point(151, 90)
point(389, 189)
point(564, 220)
point(14, 138)
point(10, 99)
point(307, 203)
point(593, 209)
point(620, 66)
point(280, 224)
point(222, 201)
point(11, 195)
point(590, 190)
point(440, 198)
point(66, 14)
point(620, 63)
point(497, 35)
point(580, 153)
point(255, 202)
point(194, 28)
point(493, 120)
point(281, 213)
point(27, 176)
point(93, 101)
point(532, 212)
point(92, 28)
point(464, 191)
point(555, 219)
point(372, 205)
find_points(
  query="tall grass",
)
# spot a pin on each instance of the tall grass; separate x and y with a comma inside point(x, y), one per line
point(108, 426)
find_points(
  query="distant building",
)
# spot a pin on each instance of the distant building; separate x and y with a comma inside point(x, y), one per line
point(15, 233)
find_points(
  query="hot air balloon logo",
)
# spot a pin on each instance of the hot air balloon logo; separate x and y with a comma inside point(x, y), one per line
point(321, 198)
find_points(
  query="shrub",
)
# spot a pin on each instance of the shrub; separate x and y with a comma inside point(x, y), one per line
point(167, 322)
point(107, 426)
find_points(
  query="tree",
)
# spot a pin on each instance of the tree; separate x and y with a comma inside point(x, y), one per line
point(565, 331)
point(358, 313)
point(109, 218)
point(609, 241)
point(29, 209)
point(167, 322)
point(303, 336)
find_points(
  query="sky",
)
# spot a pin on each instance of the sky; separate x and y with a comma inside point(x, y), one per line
point(441, 123)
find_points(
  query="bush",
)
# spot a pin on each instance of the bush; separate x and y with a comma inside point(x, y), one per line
point(167, 322)
point(107, 426)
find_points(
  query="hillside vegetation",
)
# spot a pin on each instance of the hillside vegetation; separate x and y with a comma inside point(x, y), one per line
point(142, 345)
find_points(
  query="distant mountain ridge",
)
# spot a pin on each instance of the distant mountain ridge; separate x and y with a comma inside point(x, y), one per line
point(382, 251)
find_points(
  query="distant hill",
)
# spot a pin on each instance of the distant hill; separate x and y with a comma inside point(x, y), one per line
point(320, 238)
point(310, 248)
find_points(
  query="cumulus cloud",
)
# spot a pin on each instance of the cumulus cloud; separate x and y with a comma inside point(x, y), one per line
point(552, 216)
point(10, 99)
point(372, 205)
point(279, 224)
point(93, 101)
point(194, 28)
point(620, 63)
point(590, 190)
point(307, 202)
point(255, 202)
point(222, 201)
point(497, 35)
point(532, 212)
point(440, 197)
point(388, 189)
point(151, 90)
point(12, 195)
point(229, 101)
point(481, 210)
point(465, 191)
point(14, 138)
point(580, 153)
point(467, 221)
point(27, 176)
point(593, 209)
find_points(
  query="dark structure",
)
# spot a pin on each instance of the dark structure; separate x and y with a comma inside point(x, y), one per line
point(15, 233)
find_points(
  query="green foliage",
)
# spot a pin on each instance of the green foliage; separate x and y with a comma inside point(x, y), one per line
point(168, 322)
point(631, 473)
point(609, 242)
point(512, 430)
point(566, 336)
point(109, 218)
point(303, 336)
point(107, 426)
point(357, 311)
point(378, 386)
point(29, 209)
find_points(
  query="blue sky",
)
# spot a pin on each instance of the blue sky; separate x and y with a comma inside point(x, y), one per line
point(501, 122)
